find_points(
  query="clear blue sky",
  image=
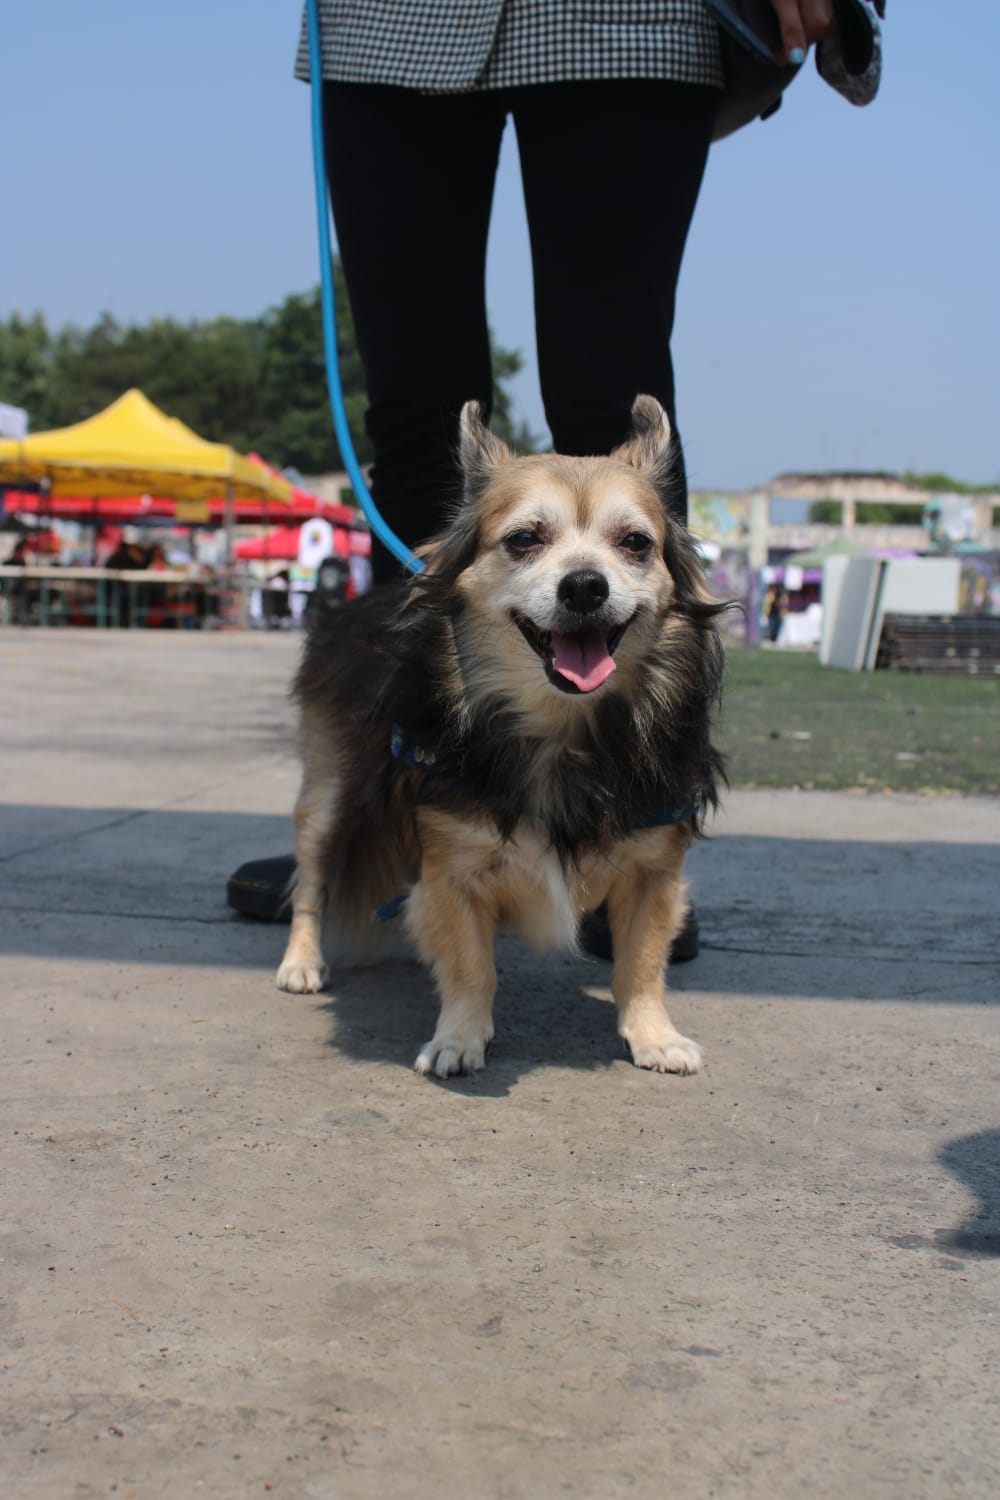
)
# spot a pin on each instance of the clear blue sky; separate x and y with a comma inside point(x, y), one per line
point(839, 304)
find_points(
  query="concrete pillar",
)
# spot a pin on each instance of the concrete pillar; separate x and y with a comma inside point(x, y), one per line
point(760, 518)
point(982, 509)
point(848, 516)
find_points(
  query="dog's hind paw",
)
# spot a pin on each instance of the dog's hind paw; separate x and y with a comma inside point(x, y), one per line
point(670, 1054)
point(300, 978)
point(444, 1056)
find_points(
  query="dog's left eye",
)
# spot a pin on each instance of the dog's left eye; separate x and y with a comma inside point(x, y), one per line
point(636, 542)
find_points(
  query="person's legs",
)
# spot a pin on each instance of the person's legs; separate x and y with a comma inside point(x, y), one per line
point(411, 183)
point(611, 173)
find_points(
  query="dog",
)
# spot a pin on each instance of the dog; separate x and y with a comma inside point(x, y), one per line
point(517, 735)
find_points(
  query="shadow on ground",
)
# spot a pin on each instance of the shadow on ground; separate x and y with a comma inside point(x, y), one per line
point(913, 921)
point(544, 1017)
point(975, 1161)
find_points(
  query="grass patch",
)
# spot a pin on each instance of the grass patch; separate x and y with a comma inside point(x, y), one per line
point(787, 721)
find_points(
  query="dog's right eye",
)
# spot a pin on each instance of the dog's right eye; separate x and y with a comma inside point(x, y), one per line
point(522, 541)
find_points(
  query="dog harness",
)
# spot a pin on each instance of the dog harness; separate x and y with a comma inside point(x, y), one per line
point(421, 758)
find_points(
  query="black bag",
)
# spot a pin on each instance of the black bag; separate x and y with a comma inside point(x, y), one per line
point(751, 36)
point(754, 81)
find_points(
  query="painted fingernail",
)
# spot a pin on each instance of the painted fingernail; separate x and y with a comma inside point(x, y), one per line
point(796, 57)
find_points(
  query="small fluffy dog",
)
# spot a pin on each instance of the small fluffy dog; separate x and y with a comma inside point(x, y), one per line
point(516, 735)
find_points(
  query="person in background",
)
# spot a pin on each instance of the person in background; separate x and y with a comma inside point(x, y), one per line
point(333, 581)
point(16, 590)
point(129, 557)
point(106, 541)
point(277, 609)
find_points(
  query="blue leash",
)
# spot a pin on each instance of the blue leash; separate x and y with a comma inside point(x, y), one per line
point(385, 534)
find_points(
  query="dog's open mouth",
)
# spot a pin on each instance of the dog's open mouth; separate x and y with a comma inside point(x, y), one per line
point(578, 661)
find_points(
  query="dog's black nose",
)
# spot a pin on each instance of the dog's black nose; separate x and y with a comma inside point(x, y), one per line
point(583, 592)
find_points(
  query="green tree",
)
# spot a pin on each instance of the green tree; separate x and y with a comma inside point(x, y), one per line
point(207, 374)
point(296, 423)
point(867, 513)
point(826, 512)
point(88, 369)
point(255, 383)
point(877, 513)
point(946, 484)
point(25, 353)
point(297, 427)
point(518, 435)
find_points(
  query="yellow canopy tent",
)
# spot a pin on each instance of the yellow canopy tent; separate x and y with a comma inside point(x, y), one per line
point(133, 448)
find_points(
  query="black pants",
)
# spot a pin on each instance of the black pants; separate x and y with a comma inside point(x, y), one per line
point(611, 172)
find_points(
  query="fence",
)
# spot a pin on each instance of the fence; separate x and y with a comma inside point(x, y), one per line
point(107, 598)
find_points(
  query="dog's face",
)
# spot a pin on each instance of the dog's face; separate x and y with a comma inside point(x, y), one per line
point(566, 567)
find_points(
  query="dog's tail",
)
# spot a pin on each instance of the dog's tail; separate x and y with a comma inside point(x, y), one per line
point(372, 862)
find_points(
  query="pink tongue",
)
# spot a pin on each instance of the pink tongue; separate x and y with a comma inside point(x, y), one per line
point(583, 659)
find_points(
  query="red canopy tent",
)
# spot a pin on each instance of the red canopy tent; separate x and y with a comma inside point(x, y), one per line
point(282, 545)
point(304, 506)
point(159, 508)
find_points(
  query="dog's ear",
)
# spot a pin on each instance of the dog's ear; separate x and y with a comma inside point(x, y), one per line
point(651, 447)
point(480, 451)
point(686, 568)
point(445, 557)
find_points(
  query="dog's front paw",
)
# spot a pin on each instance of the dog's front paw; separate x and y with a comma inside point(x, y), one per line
point(668, 1052)
point(301, 978)
point(445, 1055)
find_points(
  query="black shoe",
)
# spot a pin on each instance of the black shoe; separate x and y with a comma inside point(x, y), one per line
point(595, 936)
point(260, 888)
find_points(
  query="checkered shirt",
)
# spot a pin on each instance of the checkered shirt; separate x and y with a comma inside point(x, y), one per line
point(460, 46)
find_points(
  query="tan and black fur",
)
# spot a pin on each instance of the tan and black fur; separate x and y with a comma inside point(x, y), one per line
point(520, 798)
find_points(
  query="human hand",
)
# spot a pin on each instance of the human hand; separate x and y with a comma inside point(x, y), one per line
point(803, 22)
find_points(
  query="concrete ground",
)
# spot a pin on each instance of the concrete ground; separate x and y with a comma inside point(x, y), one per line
point(248, 1251)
